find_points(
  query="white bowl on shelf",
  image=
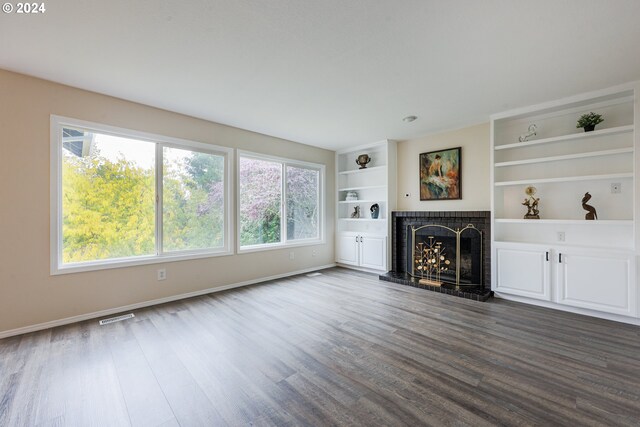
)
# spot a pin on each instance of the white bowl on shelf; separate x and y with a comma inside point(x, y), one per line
point(352, 196)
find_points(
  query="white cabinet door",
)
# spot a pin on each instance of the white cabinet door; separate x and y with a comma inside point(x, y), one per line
point(347, 248)
point(523, 269)
point(602, 281)
point(373, 252)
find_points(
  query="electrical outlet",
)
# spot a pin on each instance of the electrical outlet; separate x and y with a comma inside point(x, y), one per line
point(292, 255)
point(162, 274)
point(561, 236)
point(314, 252)
point(616, 188)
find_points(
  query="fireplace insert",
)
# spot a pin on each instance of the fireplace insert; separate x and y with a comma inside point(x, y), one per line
point(460, 237)
point(437, 255)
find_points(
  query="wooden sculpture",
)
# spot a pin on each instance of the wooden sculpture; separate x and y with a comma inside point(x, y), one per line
point(591, 211)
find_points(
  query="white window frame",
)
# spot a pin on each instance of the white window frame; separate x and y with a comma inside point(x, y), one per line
point(58, 267)
point(285, 243)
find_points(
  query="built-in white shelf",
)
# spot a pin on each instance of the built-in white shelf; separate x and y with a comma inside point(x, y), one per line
point(566, 157)
point(609, 249)
point(361, 201)
point(371, 169)
point(363, 219)
point(366, 187)
point(565, 179)
point(564, 259)
point(573, 136)
point(374, 184)
point(621, 222)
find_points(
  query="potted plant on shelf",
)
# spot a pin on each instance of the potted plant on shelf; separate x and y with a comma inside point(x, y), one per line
point(589, 121)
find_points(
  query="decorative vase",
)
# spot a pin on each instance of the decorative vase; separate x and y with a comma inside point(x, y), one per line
point(375, 211)
point(363, 160)
point(589, 128)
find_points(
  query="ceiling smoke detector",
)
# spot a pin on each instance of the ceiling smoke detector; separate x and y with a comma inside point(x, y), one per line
point(409, 119)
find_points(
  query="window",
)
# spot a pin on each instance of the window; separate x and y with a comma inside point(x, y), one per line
point(279, 201)
point(108, 196)
point(260, 202)
point(123, 198)
point(303, 203)
point(193, 200)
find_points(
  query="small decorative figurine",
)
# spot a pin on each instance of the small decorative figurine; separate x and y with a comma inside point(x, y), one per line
point(363, 160)
point(530, 132)
point(375, 210)
point(591, 211)
point(356, 212)
point(531, 203)
point(352, 196)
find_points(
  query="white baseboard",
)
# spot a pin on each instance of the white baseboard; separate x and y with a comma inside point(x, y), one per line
point(576, 310)
point(364, 270)
point(110, 311)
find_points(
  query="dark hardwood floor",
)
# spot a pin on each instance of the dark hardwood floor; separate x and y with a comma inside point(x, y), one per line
point(342, 348)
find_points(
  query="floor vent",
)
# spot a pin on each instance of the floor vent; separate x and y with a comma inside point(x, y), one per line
point(116, 319)
point(314, 274)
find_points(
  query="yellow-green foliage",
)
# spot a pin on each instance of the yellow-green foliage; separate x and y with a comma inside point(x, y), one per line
point(109, 206)
point(108, 209)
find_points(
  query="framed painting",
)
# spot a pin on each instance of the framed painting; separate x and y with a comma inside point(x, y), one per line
point(440, 175)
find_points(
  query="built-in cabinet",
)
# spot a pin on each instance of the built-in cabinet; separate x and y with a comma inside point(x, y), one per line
point(596, 280)
point(563, 259)
point(365, 251)
point(586, 278)
point(362, 241)
point(523, 270)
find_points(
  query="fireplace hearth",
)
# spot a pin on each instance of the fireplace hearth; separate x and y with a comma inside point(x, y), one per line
point(446, 252)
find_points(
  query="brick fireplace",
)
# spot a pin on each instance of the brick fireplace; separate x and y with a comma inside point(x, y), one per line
point(402, 221)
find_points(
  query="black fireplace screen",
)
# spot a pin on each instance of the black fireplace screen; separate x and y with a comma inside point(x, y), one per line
point(441, 254)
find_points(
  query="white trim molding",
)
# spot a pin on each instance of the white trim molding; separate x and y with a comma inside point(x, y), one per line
point(56, 249)
point(576, 310)
point(321, 239)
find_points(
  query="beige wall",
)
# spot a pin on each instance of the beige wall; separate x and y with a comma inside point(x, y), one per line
point(476, 188)
point(28, 294)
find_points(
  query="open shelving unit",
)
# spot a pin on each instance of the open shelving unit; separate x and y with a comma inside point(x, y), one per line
point(605, 222)
point(371, 184)
point(563, 259)
point(566, 157)
point(361, 171)
point(363, 187)
point(356, 202)
point(561, 179)
point(564, 163)
point(571, 136)
point(374, 184)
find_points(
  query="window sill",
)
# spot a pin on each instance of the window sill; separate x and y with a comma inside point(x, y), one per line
point(81, 267)
point(276, 246)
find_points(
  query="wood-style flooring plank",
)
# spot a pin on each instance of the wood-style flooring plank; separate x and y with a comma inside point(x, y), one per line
point(188, 402)
point(146, 403)
point(342, 348)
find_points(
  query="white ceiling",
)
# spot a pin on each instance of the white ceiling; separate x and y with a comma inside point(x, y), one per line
point(330, 73)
